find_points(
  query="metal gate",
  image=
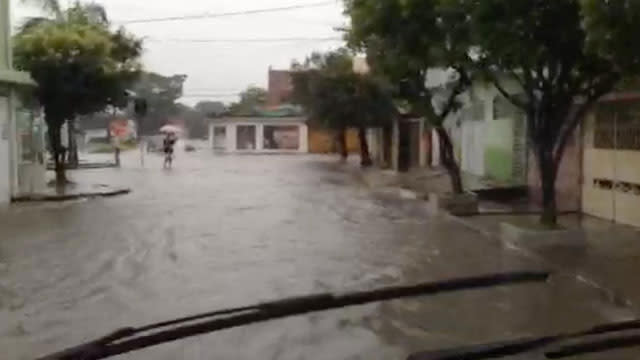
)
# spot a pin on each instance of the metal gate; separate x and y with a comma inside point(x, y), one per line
point(611, 162)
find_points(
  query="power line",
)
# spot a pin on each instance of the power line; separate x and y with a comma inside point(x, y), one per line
point(227, 14)
point(250, 40)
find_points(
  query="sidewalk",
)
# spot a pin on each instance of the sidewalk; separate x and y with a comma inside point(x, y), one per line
point(423, 181)
point(73, 192)
point(85, 183)
point(608, 258)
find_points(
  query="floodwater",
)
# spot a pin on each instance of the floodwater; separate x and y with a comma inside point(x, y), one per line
point(220, 231)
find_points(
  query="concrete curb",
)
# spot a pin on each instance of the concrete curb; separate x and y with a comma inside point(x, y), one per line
point(87, 166)
point(73, 196)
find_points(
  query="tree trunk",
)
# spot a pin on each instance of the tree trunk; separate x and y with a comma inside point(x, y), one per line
point(365, 156)
point(342, 144)
point(72, 156)
point(548, 179)
point(58, 155)
point(448, 159)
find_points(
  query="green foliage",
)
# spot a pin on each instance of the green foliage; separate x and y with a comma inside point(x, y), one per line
point(561, 53)
point(78, 63)
point(161, 93)
point(211, 108)
point(251, 100)
point(336, 97)
point(404, 39)
point(79, 66)
point(612, 31)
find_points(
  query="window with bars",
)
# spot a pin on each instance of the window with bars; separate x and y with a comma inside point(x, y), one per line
point(617, 126)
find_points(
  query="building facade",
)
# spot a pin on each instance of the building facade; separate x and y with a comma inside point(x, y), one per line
point(280, 87)
point(21, 131)
point(259, 135)
point(489, 136)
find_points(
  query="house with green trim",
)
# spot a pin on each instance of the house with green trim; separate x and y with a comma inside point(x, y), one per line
point(22, 167)
point(489, 135)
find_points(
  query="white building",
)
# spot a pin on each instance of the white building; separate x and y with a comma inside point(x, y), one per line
point(21, 151)
point(259, 135)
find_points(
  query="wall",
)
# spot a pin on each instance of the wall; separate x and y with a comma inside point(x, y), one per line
point(498, 153)
point(500, 160)
point(322, 141)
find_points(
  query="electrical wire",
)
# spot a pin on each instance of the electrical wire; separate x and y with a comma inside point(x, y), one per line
point(227, 14)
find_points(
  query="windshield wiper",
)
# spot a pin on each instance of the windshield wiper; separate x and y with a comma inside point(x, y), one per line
point(130, 339)
point(597, 339)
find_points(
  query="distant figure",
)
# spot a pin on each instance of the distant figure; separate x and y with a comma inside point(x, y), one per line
point(167, 146)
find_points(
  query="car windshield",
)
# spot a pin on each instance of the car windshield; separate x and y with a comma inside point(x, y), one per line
point(319, 179)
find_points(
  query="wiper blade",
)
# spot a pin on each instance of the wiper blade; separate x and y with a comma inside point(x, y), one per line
point(603, 341)
point(130, 339)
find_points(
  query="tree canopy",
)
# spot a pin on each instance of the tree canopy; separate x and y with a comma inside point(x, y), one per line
point(404, 40)
point(161, 94)
point(211, 108)
point(563, 56)
point(251, 100)
point(79, 65)
point(336, 97)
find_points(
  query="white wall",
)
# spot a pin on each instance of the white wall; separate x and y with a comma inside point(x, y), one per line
point(304, 138)
point(231, 138)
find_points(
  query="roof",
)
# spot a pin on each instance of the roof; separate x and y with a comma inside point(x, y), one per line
point(259, 119)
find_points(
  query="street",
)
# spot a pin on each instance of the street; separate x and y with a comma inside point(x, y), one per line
point(220, 231)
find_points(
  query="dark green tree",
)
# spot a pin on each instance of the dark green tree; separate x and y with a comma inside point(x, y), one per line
point(338, 98)
point(79, 65)
point(563, 55)
point(161, 94)
point(404, 40)
point(251, 100)
point(211, 108)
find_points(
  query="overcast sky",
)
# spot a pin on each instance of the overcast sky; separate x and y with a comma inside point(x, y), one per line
point(218, 70)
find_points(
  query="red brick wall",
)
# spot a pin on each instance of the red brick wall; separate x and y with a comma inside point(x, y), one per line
point(280, 87)
point(569, 181)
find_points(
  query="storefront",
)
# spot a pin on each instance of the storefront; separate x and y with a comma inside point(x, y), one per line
point(259, 135)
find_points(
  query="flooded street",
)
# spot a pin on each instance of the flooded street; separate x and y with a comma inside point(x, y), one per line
point(220, 231)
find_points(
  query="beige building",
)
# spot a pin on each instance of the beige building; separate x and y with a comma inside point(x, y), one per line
point(611, 160)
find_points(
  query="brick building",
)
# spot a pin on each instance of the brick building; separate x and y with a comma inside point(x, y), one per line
point(280, 87)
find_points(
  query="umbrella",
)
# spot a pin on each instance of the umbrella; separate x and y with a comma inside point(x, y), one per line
point(170, 129)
